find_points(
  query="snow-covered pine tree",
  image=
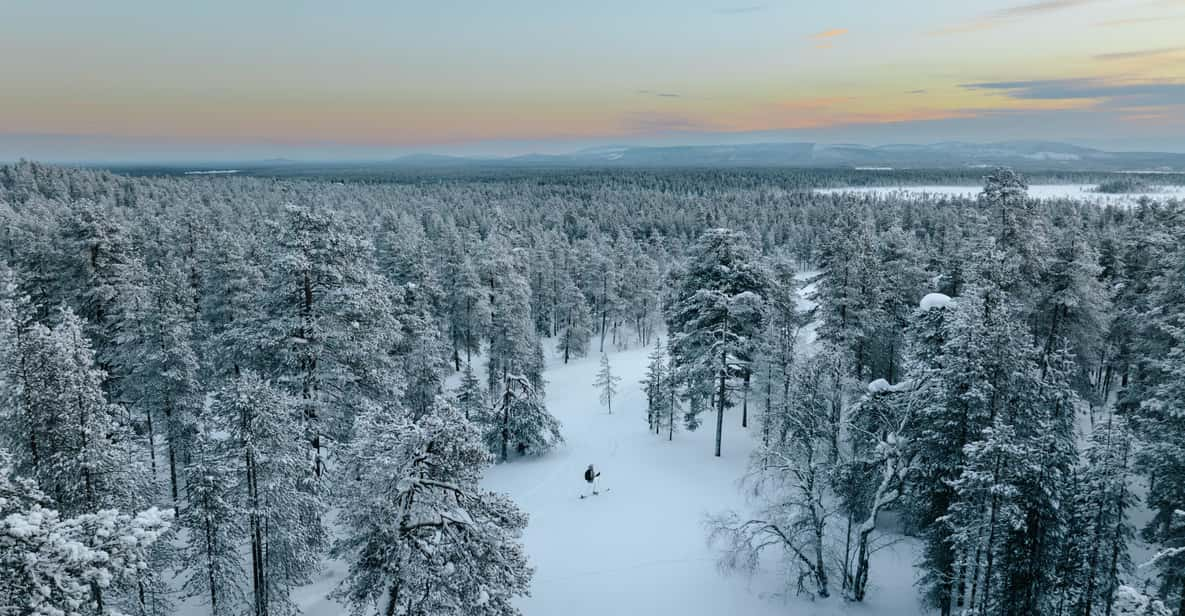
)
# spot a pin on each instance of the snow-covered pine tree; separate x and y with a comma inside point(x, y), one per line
point(95, 249)
point(653, 386)
point(421, 536)
point(281, 501)
point(520, 421)
point(717, 314)
point(231, 283)
point(66, 435)
point(69, 565)
point(849, 294)
point(671, 392)
point(1103, 501)
point(1016, 232)
point(467, 307)
point(514, 345)
point(575, 322)
point(159, 366)
point(471, 397)
point(215, 523)
point(606, 383)
point(325, 324)
point(1156, 396)
point(423, 348)
point(1007, 516)
point(777, 349)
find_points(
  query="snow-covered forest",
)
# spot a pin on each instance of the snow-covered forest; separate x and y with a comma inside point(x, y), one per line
point(225, 395)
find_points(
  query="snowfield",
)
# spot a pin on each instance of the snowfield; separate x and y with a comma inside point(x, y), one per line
point(642, 544)
point(1080, 192)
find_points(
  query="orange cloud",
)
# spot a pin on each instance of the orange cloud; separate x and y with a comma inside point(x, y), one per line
point(829, 34)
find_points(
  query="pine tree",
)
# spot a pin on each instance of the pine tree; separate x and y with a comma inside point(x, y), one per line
point(423, 347)
point(471, 398)
point(514, 345)
point(1104, 500)
point(606, 383)
point(282, 504)
point(326, 325)
point(467, 307)
point(68, 437)
point(214, 521)
point(717, 314)
point(421, 536)
point(69, 565)
point(520, 421)
point(160, 367)
point(575, 322)
point(654, 386)
point(1157, 398)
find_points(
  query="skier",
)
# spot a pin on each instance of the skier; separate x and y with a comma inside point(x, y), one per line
point(590, 476)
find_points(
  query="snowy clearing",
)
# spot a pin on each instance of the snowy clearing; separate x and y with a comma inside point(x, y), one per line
point(642, 544)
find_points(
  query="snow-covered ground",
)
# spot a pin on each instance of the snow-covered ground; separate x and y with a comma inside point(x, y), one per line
point(1083, 192)
point(640, 547)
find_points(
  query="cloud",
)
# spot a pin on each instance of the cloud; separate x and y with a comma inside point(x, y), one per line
point(1009, 14)
point(1109, 95)
point(739, 10)
point(915, 91)
point(659, 94)
point(1131, 21)
point(829, 34)
point(1036, 8)
point(1143, 53)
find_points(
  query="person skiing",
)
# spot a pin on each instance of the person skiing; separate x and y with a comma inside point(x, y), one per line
point(590, 476)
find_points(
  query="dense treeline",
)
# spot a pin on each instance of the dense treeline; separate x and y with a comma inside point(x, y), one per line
point(262, 355)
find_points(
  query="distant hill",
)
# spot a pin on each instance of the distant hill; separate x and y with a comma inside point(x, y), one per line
point(951, 154)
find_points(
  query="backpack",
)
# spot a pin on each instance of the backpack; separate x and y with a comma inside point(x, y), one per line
point(588, 474)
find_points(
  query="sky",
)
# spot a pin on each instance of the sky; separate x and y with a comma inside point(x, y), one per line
point(249, 79)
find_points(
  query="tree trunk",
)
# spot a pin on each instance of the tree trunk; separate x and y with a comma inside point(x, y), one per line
point(604, 309)
point(671, 424)
point(505, 422)
point(720, 398)
point(745, 401)
point(152, 445)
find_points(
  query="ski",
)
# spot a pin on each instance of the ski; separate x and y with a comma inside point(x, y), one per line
point(584, 496)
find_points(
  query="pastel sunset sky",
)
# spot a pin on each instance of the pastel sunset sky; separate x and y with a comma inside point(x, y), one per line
point(122, 79)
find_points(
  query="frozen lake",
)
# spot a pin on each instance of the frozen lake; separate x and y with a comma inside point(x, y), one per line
point(1082, 192)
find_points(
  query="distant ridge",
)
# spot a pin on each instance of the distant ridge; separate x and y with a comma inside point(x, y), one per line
point(949, 154)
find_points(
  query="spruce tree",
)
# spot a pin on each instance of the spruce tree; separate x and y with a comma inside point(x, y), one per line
point(606, 383)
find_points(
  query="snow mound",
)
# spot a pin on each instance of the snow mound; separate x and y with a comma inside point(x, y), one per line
point(935, 300)
point(878, 386)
